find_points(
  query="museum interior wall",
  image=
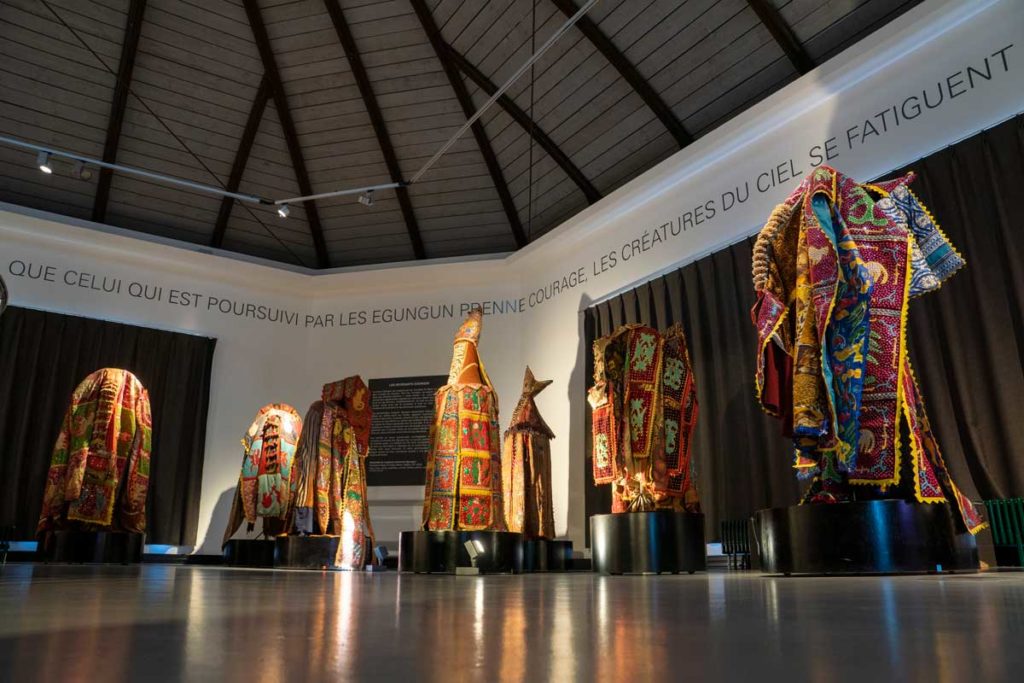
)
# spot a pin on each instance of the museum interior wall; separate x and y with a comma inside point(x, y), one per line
point(938, 74)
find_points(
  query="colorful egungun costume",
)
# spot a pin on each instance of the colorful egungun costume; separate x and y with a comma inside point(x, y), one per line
point(644, 410)
point(834, 269)
point(303, 518)
point(526, 466)
point(100, 464)
point(340, 502)
point(463, 487)
point(264, 485)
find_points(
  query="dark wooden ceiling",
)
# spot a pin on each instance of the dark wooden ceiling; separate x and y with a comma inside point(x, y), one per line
point(287, 97)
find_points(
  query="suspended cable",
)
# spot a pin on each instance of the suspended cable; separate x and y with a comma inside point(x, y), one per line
point(160, 176)
point(365, 192)
point(501, 91)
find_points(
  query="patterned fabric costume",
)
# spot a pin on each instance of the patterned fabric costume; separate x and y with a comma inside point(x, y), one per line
point(526, 466)
point(644, 409)
point(340, 490)
point(463, 487)
point(101, 460)
point(264, 485)
point(303, 519)
point(835, 268)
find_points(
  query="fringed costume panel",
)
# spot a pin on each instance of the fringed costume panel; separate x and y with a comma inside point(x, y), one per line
point(834, 269)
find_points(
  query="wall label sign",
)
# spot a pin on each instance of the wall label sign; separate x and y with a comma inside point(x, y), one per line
point(403, 411)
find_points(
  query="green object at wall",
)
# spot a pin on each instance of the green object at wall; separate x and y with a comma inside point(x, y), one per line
point(1006, 518)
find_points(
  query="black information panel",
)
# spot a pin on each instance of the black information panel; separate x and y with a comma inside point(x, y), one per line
point(403, 410)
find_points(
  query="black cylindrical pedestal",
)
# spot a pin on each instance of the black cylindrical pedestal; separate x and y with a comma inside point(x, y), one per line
point(656, 542)
point(546, 555)
point(91, 547)
point(442, 552)
point(305, 552)
point(866, 537)
point(247, 552)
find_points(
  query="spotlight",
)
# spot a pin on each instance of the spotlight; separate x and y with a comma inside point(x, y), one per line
point(366, 199)
point(43, 162)
point(283, 211)
point(476, 550)
point(81, 171)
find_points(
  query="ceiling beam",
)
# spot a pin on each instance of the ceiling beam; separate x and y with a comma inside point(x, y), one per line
point(527, 124)
point(468, 108)
point(129, 46)
point(783, 35)
point(629, 73)
point(355, 62)
point(259, 33)
point(252, 124)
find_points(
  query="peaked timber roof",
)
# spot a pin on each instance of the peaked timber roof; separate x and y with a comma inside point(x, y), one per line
point(292, 97)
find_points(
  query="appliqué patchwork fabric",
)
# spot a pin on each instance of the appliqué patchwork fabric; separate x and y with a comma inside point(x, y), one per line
point(100, 463)
point(463, 488)
point(644, 410)
point(264, 485)
point(834, 270)
point(341, 503)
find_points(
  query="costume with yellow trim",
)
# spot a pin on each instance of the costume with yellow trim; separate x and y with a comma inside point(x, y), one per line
point(99, 471)
point(834, 269)
point(463, 487)
point(644, 409)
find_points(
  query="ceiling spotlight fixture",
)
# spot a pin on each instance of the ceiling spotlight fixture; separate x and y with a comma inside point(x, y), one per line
point(283, 210)
point(366, 198)
point(43, 162)
point(81, 171)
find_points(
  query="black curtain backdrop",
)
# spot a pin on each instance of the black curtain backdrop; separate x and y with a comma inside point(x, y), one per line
point(44, 356)
point(966, 342)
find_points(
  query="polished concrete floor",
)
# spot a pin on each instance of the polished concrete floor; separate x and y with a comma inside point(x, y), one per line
point(161, 622)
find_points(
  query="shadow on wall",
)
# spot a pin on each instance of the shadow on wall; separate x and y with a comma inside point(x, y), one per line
point(215, 532)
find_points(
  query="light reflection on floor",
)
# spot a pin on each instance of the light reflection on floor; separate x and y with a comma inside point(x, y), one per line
point(161, 622)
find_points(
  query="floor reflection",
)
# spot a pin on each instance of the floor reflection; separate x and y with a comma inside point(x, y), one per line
point(195, 623)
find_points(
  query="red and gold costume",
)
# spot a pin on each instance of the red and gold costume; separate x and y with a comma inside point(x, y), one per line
point(340, 501)
point(835, 269)
point(463, 487)
point(99, 471)
point(526, 466)
point(644, 409)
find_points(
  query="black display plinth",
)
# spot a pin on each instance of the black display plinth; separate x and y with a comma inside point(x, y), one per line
point(442, 552)
point(249, 552)
point(546, 555)
point(305, 552)
point(91, 547)
point(659, 542)
point(866, 537)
